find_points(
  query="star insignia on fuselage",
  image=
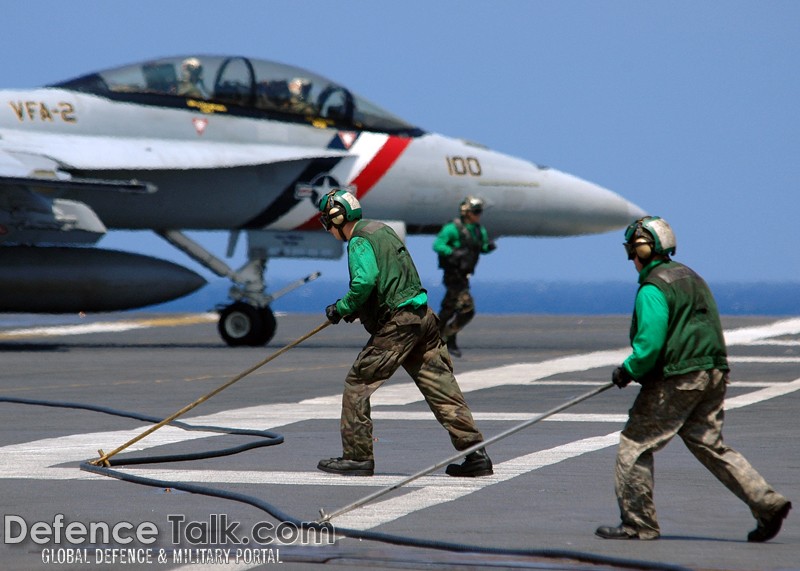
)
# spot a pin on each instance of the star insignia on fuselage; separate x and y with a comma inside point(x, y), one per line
point(319, 186)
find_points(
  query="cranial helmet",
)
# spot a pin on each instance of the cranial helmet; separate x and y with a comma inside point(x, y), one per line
point(338, 207)
point(191, 69)
point(299, 87)
point(471, 204)
point(649, 236)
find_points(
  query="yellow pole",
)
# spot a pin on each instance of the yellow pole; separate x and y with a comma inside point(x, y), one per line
point(104, 457)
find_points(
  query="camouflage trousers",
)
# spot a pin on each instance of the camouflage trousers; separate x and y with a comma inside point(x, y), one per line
point(690, 406)
point(410, 339)
point(458, 306)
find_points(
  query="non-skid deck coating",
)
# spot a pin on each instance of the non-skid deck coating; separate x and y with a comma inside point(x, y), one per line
point(553, 482)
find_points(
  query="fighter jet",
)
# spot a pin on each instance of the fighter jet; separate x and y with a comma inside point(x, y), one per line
point(242, 145)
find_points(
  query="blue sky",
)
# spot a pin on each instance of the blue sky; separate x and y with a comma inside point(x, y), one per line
point(689, 109)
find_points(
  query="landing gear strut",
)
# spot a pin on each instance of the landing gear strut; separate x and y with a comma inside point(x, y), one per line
point(248, 321)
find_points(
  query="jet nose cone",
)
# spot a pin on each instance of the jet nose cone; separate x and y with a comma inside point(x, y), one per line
point(612, 210)
point(599, 209)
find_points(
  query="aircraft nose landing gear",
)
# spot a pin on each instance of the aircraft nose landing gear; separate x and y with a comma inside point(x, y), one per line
point(248, 321)
point(243, 324)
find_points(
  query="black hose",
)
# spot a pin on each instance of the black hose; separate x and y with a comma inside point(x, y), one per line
point(271, 439)
point(266, 438)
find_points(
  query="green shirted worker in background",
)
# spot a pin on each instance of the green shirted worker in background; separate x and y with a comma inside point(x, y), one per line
point(387, 296)
point(459, 245)
point(680, 358)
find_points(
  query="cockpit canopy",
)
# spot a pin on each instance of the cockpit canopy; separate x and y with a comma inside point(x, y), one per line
point(241, 86)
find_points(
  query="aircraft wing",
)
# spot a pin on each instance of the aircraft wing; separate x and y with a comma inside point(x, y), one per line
point(34, 169)
point(114, 153)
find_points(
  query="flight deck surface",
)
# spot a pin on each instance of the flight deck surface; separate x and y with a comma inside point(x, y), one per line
point(552, 483)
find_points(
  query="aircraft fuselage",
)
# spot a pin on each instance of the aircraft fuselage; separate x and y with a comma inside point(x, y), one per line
point(215, 171)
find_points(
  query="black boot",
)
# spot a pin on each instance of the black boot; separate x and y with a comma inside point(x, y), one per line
point(475, 464)
point(609, 532)
point(769, 527)
point(346, 467)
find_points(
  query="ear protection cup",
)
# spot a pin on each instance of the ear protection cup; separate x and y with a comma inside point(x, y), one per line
point(337, 208)
point(643, 251)
point(337, 215)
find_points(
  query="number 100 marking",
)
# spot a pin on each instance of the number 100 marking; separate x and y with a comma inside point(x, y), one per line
point(460, 166)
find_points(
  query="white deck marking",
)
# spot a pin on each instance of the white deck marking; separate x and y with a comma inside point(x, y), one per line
point(755, 359)
point(776, 390)
point(37, 459)
point(748, 335)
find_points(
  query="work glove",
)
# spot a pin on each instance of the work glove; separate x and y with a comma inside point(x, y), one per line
point(491, 247)
point(333, 314)
point(621, 377)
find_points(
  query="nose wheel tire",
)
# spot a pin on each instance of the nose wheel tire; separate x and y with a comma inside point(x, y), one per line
point(241, 324)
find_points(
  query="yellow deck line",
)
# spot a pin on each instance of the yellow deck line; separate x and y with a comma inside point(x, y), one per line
point(176, 320)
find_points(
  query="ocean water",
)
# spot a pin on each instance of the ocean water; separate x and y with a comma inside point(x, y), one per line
point(593, 298)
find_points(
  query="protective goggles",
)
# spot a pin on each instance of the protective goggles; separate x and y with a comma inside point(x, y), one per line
point(632, 233)
point(630, 248)
point(325, 220)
